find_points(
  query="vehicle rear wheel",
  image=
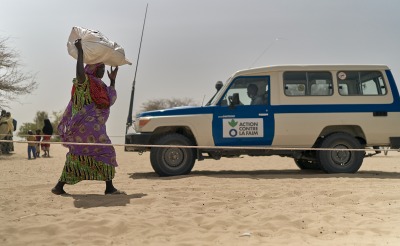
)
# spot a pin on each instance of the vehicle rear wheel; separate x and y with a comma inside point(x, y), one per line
point(307, 165)
point(341, 160)
point(172, 161)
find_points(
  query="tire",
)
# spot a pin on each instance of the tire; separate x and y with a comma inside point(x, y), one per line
point(340, 161)
point(307, 165)
point(172, 161)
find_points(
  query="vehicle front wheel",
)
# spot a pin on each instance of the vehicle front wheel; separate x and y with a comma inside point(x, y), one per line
point(172, 161)
point(340, 160)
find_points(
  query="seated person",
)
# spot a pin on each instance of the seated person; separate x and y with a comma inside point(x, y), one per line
point(252, 90)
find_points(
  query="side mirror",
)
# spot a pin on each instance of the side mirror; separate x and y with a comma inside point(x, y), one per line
point(234, 100)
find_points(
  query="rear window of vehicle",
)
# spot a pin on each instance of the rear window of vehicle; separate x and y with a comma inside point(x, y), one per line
point(361, 83)
point(299, 83)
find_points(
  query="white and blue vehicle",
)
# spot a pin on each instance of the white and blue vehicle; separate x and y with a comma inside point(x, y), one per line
point(295, 111)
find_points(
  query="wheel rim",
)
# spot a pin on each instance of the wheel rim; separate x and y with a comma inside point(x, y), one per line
point(341, 157)
point(173, 157)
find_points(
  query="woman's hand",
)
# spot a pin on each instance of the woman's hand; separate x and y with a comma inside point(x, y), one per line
point(78, 44)
point(112, 75)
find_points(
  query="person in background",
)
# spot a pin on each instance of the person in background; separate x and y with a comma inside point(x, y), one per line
point(10, 122)
point(38, 139)
point(31, 146)
point(84, 121)
point(47, 132)
point(6, 128)
point(3, 132)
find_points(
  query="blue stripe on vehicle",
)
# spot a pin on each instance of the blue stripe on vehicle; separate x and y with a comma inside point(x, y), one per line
point(180, 111)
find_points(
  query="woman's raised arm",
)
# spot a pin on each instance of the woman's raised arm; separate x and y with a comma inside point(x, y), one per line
point(80, 70)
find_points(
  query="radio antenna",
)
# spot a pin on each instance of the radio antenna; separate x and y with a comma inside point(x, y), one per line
point(129, 120)
point(265, 50)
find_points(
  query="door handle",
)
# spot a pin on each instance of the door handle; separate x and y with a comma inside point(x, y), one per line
point(380, 113)
point(263, 114)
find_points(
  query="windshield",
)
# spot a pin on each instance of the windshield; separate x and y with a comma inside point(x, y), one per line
point(220, 92)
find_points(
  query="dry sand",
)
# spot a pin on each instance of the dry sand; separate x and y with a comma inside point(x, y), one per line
point(238, 201)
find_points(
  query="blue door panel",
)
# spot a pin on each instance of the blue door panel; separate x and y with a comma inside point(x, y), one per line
point(244, 125)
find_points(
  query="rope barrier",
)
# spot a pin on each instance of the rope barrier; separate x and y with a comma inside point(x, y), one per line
point(198, 147)
point(26, 135)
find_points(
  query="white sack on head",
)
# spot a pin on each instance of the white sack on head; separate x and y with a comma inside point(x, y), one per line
point(96, 48)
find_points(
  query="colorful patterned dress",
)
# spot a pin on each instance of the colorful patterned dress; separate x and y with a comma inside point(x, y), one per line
point(84, 122)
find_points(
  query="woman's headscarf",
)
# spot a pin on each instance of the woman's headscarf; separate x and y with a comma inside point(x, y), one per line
point(47, 128)
point(91, 69)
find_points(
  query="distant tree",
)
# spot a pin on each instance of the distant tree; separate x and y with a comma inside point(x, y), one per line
point(13, 82)
point(156, 104)
point(38, 123)
point(25, 127)
point(39, 118)
point(57, 115)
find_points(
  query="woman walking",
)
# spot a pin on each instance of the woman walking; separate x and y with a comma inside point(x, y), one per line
point(47, 132)
point(84, 121)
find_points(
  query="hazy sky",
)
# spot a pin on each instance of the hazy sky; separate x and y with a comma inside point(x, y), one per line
point(189, 45)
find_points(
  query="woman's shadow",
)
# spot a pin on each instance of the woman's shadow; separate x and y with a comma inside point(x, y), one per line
point(96, 200)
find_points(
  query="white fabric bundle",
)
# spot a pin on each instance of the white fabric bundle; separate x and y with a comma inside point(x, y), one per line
point(96, 48)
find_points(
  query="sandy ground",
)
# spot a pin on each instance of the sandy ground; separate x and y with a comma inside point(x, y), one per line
point(238, 201)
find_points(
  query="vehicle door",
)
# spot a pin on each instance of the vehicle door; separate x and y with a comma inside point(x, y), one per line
point(242, 118)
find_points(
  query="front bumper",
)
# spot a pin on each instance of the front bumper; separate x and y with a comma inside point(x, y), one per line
point(137, 138)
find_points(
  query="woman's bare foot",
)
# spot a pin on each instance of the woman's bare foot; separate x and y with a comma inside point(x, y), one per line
point(59, 188)
point(114, 192)
point(58, 191)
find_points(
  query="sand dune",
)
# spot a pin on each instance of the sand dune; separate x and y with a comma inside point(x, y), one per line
point(236, 201)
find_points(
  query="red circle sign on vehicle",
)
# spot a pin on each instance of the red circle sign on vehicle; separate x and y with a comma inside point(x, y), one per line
point(342, 75)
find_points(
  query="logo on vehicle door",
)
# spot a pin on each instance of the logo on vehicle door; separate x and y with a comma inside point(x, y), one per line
point(243, 128)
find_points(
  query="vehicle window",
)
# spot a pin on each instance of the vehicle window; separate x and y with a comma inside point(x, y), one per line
point(297, 89)
point(357, 83)
point(307, 83)
point(251, 91)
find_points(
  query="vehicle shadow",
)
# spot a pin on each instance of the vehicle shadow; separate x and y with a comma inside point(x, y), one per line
point(272, 174)
point(96, 200)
